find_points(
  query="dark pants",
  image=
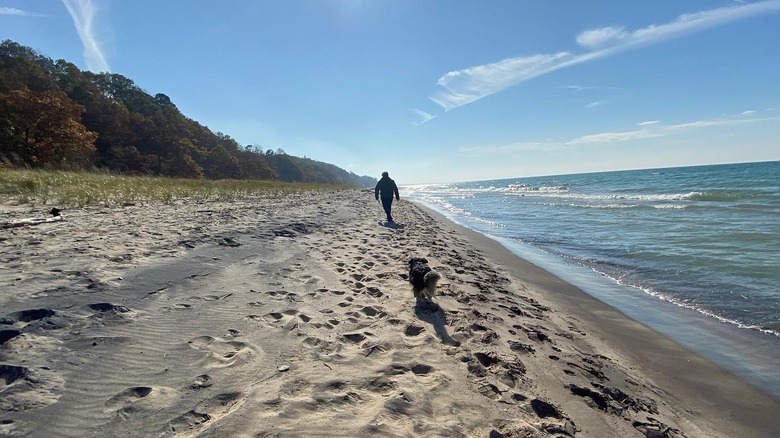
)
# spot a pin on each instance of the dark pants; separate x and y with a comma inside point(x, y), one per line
point(386, 204)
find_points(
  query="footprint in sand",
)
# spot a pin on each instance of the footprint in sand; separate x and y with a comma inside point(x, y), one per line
point(126, 398)
point(11, 373)
point(509, 371)
point(220, 405)
point(413, 330)
point(373, 291)
point(372, 312)
point(286, 319)
point(355, 338)
point(29, 315)
point(7, 335)
point(421, 369)
point(380, 385)
point(189, 421)
point(222, 353)
point(202, 381)
point(108, 308)
point(139, 398)
point(310, 279)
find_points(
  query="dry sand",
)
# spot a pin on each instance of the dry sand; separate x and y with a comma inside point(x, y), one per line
point(292, 316)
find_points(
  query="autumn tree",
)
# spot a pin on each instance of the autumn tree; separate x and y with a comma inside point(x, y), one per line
point(23, 67)
point(104, 116)
point(53, 114)
point(39, 128)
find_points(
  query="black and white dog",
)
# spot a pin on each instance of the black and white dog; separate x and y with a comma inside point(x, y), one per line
point(423, 280)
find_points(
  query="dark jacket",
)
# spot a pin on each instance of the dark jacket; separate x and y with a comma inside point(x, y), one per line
point(387, 188)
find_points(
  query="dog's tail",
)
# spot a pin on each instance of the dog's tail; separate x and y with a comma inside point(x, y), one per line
point(430, 279)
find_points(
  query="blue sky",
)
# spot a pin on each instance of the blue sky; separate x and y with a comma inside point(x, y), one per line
point(445, 90)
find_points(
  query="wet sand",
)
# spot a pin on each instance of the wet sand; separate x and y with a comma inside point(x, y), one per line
point(292, 316)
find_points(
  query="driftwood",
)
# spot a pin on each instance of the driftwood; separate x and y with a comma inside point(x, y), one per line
point(30, 222)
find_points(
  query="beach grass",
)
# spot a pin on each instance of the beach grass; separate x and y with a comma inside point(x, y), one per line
point(78, 189)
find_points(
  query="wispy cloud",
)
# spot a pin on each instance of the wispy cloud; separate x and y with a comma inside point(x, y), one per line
point(649, 129)
point(654, 129)
point(576, 88)
point(594, 104)
point(19, 12)
point(597, 38)
point(748, 113)
point(462, 87)
point(84, 15)
point(611, 137)
point(424, 117)
point(466, 86)
point(567, 90)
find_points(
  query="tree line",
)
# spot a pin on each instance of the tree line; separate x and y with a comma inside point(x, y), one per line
point(54, 115)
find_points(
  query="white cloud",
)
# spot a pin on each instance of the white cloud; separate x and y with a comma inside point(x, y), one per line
point(610, 137)
point(424, 117)
point(594, 104)
point(19, 12)
point(700, 124)
point(597, 38)
point(648, 130)
point(654, 129)
point(748, 113)
point(468, 85)
point(84, 15)
point(465, 86)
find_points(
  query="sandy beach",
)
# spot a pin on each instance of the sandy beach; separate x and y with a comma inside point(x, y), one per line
point(292, 315)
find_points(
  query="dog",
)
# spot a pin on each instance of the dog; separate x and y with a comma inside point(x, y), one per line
point(423, 280)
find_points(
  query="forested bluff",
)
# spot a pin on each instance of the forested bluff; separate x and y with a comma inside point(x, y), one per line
point(55, 116)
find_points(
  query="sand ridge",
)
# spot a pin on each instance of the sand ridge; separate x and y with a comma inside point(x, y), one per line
point(292, 316)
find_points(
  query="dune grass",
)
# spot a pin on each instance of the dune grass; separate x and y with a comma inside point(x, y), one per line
point(78, 189)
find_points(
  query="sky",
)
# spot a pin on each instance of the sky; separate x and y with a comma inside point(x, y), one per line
point(437, 91)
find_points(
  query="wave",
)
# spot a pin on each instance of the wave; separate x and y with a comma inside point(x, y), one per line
point(623, 280)
point(562, 191)
point(523, 188)
point(721, 196)
point(565, 191)
point(554, 244)
point(439, 203)
point(624, 206)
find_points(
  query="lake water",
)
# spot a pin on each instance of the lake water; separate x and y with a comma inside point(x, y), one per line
point(694, 252)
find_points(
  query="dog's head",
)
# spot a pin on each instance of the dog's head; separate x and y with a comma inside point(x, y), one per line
point(417, 261)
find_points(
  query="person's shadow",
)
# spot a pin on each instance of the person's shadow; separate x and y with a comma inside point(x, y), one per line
point(394, 225)
point(434, 315)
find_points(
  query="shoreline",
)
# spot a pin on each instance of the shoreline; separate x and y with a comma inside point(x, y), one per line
point(659, 356)
point(724, 343)
point(291, 316)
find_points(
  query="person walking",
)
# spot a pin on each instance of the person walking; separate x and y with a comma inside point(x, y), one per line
point(386, 188)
